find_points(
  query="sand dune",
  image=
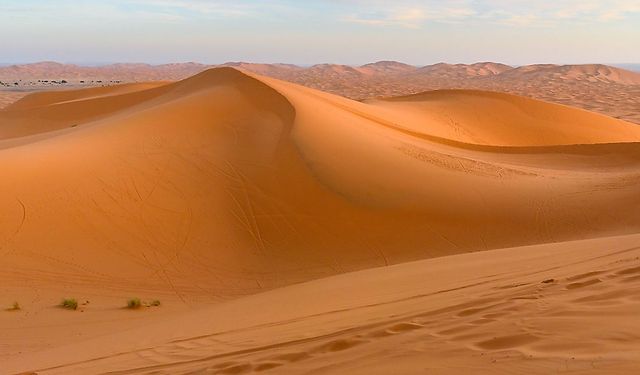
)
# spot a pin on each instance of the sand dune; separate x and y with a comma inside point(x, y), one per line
point(605, 89)
point(47, 111)
point(48, 98)
point(9, 97)
point(125, 72)
point(386, 67)
point(461, 71)
point(496, 312)
point(489, 118)
point(589, 72)
point(227, 184)
point(146, 72)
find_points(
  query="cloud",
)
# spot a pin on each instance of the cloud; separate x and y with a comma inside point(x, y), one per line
point(145, 10)
point(414, 14)
point(545, 13)
point(408, 14)
point(201, 7)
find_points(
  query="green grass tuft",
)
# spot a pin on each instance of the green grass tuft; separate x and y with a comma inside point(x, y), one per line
point(69, 303)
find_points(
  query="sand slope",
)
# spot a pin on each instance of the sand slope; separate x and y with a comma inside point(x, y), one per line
point(497, 312)
point(274, 184)
point(222, 173)
point(491, 118)
point(227, 184)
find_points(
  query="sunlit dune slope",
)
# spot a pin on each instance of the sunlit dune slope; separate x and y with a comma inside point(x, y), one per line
point(569, 307)
point(47, 98)
point(55, 110)
point(226, 184)
point(491, 118)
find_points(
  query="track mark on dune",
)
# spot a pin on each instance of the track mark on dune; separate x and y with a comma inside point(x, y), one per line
point(18, 228)
point(507, 342)
point(475, 310)
point(629, 271)
point(267, 366)
point(135, 187)
point(334, 345)
point(461, 164)
point(24, 216)
point(472, 321)
point(404, 327)
point(236, 369)
point(248, 211)
point(583, 284)
point(290, 357)
point(337, 345)
point(584, 275)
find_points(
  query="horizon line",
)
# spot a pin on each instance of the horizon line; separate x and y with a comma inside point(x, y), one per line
point(302, 65)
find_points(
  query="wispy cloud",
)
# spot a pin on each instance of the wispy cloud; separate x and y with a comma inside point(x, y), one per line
point(202, 7)
point(140, 10)
point(546, 13)
point(408, 14)
point(414, 14)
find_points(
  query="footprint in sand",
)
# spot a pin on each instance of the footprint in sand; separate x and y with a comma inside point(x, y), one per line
point(583, 284)
point(507, 342)
point(338, 345)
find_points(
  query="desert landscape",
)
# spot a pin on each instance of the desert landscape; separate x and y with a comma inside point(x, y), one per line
point(381, 213)
point(600, 88)
point(221, 194)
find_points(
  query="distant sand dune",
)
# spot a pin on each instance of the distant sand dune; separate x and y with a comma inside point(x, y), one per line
point(48, 98)
point(498, 119)
point(604, 89)
point(227, 184)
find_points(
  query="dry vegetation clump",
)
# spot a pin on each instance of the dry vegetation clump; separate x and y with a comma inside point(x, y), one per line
point(134, 303)
point(15, 307)
point(69, 303)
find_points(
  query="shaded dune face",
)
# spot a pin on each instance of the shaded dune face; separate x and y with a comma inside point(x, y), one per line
point(227, 183)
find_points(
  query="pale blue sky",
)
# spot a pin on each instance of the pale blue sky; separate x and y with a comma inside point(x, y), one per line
point(313, 31)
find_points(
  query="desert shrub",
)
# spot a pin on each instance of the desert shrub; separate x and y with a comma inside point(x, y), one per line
point(15, 307)
point(155, 303)
point(134, 303)
point(69, 303)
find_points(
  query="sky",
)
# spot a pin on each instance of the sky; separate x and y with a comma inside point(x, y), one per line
point(306, 32)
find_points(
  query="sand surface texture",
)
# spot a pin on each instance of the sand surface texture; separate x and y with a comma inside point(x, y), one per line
point(243, 203)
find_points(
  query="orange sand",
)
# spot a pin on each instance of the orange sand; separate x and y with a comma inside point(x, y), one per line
point(226, 185)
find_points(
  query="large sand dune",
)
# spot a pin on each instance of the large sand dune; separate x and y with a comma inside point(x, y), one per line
point(227, 184)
